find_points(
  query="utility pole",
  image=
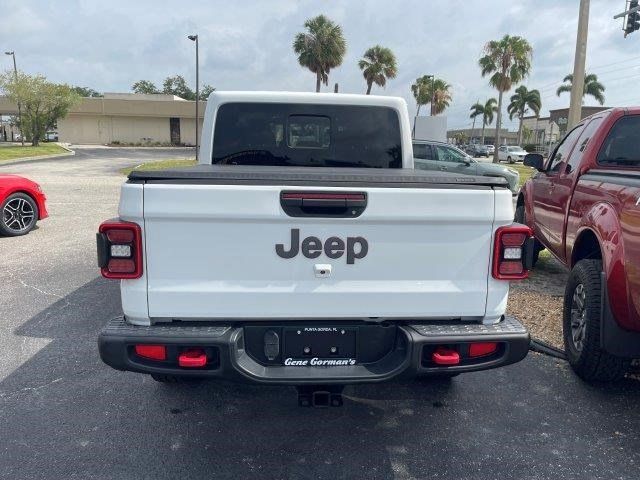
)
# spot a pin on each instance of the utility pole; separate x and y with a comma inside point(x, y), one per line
point(577, 85)
point(194, 38)
point(15, 72)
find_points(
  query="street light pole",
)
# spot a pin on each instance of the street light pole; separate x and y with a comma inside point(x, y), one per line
point(15, 72)
point(577, 84)
point(194, 38)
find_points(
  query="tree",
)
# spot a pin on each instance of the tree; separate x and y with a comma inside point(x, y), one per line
point(421, 92)
point(486, 111)
point(460, 138)
point(440, 95)
point(523, 101)
point(377, 65)
point(434, 91)
point(144, 86)
point(508, 61)
point(175, 85)
point(86, 92)
point(320, 48)
point(206, 91)
point(592, 87)
point(42, 102)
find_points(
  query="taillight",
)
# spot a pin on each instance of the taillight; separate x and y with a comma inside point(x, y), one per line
point(481, 349)
point(152, 352)
point(512, 252)
point(120, 250)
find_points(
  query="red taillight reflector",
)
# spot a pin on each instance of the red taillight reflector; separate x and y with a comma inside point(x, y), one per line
point(120, 265)
point(511, 268)
point(120, 236)
point(482, 349)
point(192, 358)
point(445, 356)
point(513, 239)
point(152, 352)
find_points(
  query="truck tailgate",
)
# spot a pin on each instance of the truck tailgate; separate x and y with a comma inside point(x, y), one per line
point(210, 249)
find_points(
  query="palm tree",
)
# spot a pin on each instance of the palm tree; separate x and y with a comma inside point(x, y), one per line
point(378, 64)
point(591, 87)
point(487, 110)
point(320, 48)
point(521, 102)
point(508, 60)
point(440, 96)
point(421, 92)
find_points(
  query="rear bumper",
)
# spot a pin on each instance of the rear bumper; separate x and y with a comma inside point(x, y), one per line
point(409, 356)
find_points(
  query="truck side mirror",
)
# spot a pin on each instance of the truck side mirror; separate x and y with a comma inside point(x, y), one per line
point(534, 160)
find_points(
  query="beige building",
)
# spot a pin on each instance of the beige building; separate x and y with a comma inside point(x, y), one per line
point(543, 130)
point(127, 118)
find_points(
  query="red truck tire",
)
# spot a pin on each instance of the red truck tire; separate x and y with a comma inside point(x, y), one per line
point(581, 326)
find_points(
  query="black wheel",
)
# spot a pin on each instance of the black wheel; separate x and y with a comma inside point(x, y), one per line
point(19, 215)
point(581, 326)
point(510, 160)
point(162, 378)
point(520, 217)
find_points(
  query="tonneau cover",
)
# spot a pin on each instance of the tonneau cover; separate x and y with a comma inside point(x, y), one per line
point(321, 176)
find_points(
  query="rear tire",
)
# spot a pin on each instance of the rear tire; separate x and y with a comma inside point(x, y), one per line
point(581, 318)
point(520, 217)
point(18, 215)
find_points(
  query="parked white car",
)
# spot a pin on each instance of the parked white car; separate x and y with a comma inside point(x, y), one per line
point(511, 154)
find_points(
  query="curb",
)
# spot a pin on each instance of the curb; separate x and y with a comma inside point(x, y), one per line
point(40, 157)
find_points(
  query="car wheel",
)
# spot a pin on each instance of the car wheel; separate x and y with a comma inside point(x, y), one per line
point(520, 217)
point(581, 326)
point(509, 159)
point(19, 215)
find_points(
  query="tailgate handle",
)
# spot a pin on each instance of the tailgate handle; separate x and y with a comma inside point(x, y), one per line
point(323, 204)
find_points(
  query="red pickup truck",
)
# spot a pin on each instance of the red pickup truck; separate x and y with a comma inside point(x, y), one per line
point(584, 207)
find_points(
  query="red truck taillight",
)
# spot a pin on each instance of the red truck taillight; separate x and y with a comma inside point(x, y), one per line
point(120, 250)
point(512, 252)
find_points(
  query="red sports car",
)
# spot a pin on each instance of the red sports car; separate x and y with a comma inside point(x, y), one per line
point(22, 204)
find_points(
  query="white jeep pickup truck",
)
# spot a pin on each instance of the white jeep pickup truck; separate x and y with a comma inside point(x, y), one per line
point(304, 249)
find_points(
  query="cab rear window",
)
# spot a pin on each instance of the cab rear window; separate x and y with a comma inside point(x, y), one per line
point(622, 145)
point(307, 135)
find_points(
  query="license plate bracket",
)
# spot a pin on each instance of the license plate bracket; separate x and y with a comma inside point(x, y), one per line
point(320, 343)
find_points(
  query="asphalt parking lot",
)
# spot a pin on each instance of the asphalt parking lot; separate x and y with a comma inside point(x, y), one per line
point(63, 414)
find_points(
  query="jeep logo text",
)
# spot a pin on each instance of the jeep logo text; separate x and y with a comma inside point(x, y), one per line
point(334, 247)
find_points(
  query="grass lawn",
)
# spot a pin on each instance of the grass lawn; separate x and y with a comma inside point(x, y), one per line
point(12, 153)
point(525, 172)
point(161, 165)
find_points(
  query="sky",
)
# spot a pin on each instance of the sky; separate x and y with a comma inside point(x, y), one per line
point(247, 45)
